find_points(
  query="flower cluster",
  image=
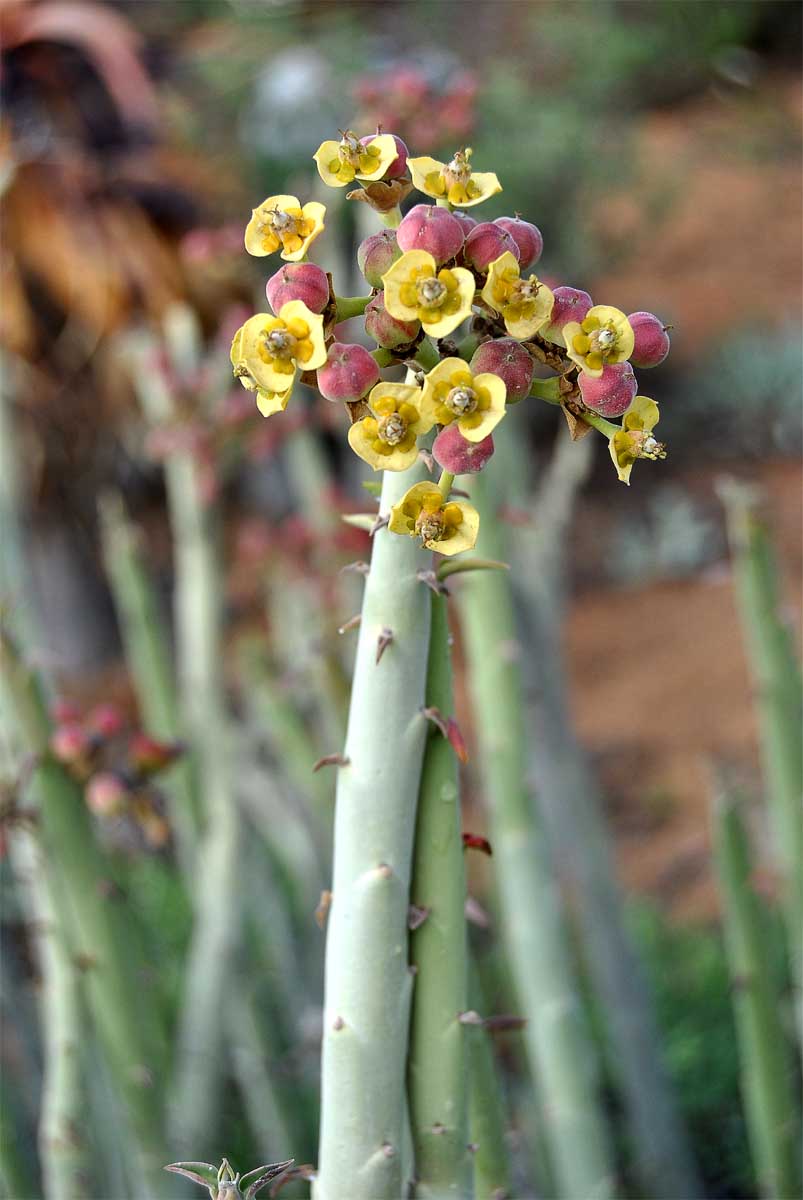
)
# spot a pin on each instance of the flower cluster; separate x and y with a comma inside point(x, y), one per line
point(457, 301)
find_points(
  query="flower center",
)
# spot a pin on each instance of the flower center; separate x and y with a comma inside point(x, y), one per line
point(432, 292)
point(350, 148)
point(525, 290)
point(429, 526)
point(461, 400)
point(606, 340)
point(281, 222)
point(392, 429)
point(458, 170)
point(280, 343)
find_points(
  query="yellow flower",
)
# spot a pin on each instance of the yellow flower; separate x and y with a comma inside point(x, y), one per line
point(340, 163)
point(524, 304)
point(634, 440)
point(272, 349)
point(387, 440)
point(415, 290)
point(268, 402)
point(280, 223)
point(605, 336)
point(453, 181)
point(475, 402)
point(445, 526)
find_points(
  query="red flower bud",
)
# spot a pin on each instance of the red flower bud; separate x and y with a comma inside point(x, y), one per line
point(427, 227)
point(350, 372)
point(377, 254)
point(466, 220)
point(571, 304)
point(105, 720)
point(526, 236)
point(611, 393)
point(147, 755)
point(487, 242)
point(298, 281)
point(453, 453)
point(70, 743)
point(387, 331)
point(652, 341)
point(508, 359)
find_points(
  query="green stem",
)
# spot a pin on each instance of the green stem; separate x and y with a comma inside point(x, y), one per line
point(350, 306)
point(392, 218)
point(196, 1096)
point(383, 358)
point(562, 1056)
point(148, 658)
point(546, 389)
point(487, 1118)
point(597, 422)
point(368, 982)
point(426, 354)
point(779, 701)
point(771, 1118)
point(437, 1068)
point(124, 1016)
point(468, 346)
point(445, 484)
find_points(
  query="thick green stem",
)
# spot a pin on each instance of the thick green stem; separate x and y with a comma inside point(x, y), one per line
point(350, 306)
point(486, 1109)
point(125, 1017)
point(562, 1055)
point(368, 981)
point(437, 1069)
point(779, 701)
point(148, 658)
point(426, 354)
point(772, 1120)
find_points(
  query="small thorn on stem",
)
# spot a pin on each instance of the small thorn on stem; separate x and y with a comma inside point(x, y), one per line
point(416, 916)
point(388, 1150)
point(476, 914)
point(503, 1022)
point(438, 1129)
point(379, 523)
point(383, 641)
point(359, 567)
point(338, 1024)
point(437, 718)
point(472, 841)
point(470, 1018)
point(352, 623)
point(472, 1147)
point(459, 492)
point(323, 908)
point(430, 579)
point(331, 760)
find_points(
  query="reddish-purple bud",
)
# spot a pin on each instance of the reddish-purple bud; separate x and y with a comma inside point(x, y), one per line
point(651, 340)
point(487, 242)
point(399, 164)
point(106, 794)
point(466, 220)
point(147, 755)
point(350, 372)
point(387, 331)
point(509, 360)
point(526, 236)
point(609, 394)
point(427, 227)
point(106, 720)
point(70, 743)
point(298, 281)
point(571, 304)
point(453, 453)
point(377, 254)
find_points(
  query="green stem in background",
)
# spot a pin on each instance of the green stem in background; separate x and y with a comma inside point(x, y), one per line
point(148, 658)
point(571, 804)
point(779, 702)
point(383, 358)
point(546, 389)
point(196, 1095)
point(350, 306)
point(487, 1118)
point(561, 1053)
point(772, 1120)
point(437, 1067)
point(467, 346)
point(124, 1015)
point(426, 354)
point(368, 982)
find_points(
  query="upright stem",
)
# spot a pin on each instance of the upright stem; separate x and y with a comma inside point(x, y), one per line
point(437, 1069)
point(124, 1016)
point(779, 702)
point(486, 1109)
point(562, 1055)
point(368, 982)
point(772, 1121)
